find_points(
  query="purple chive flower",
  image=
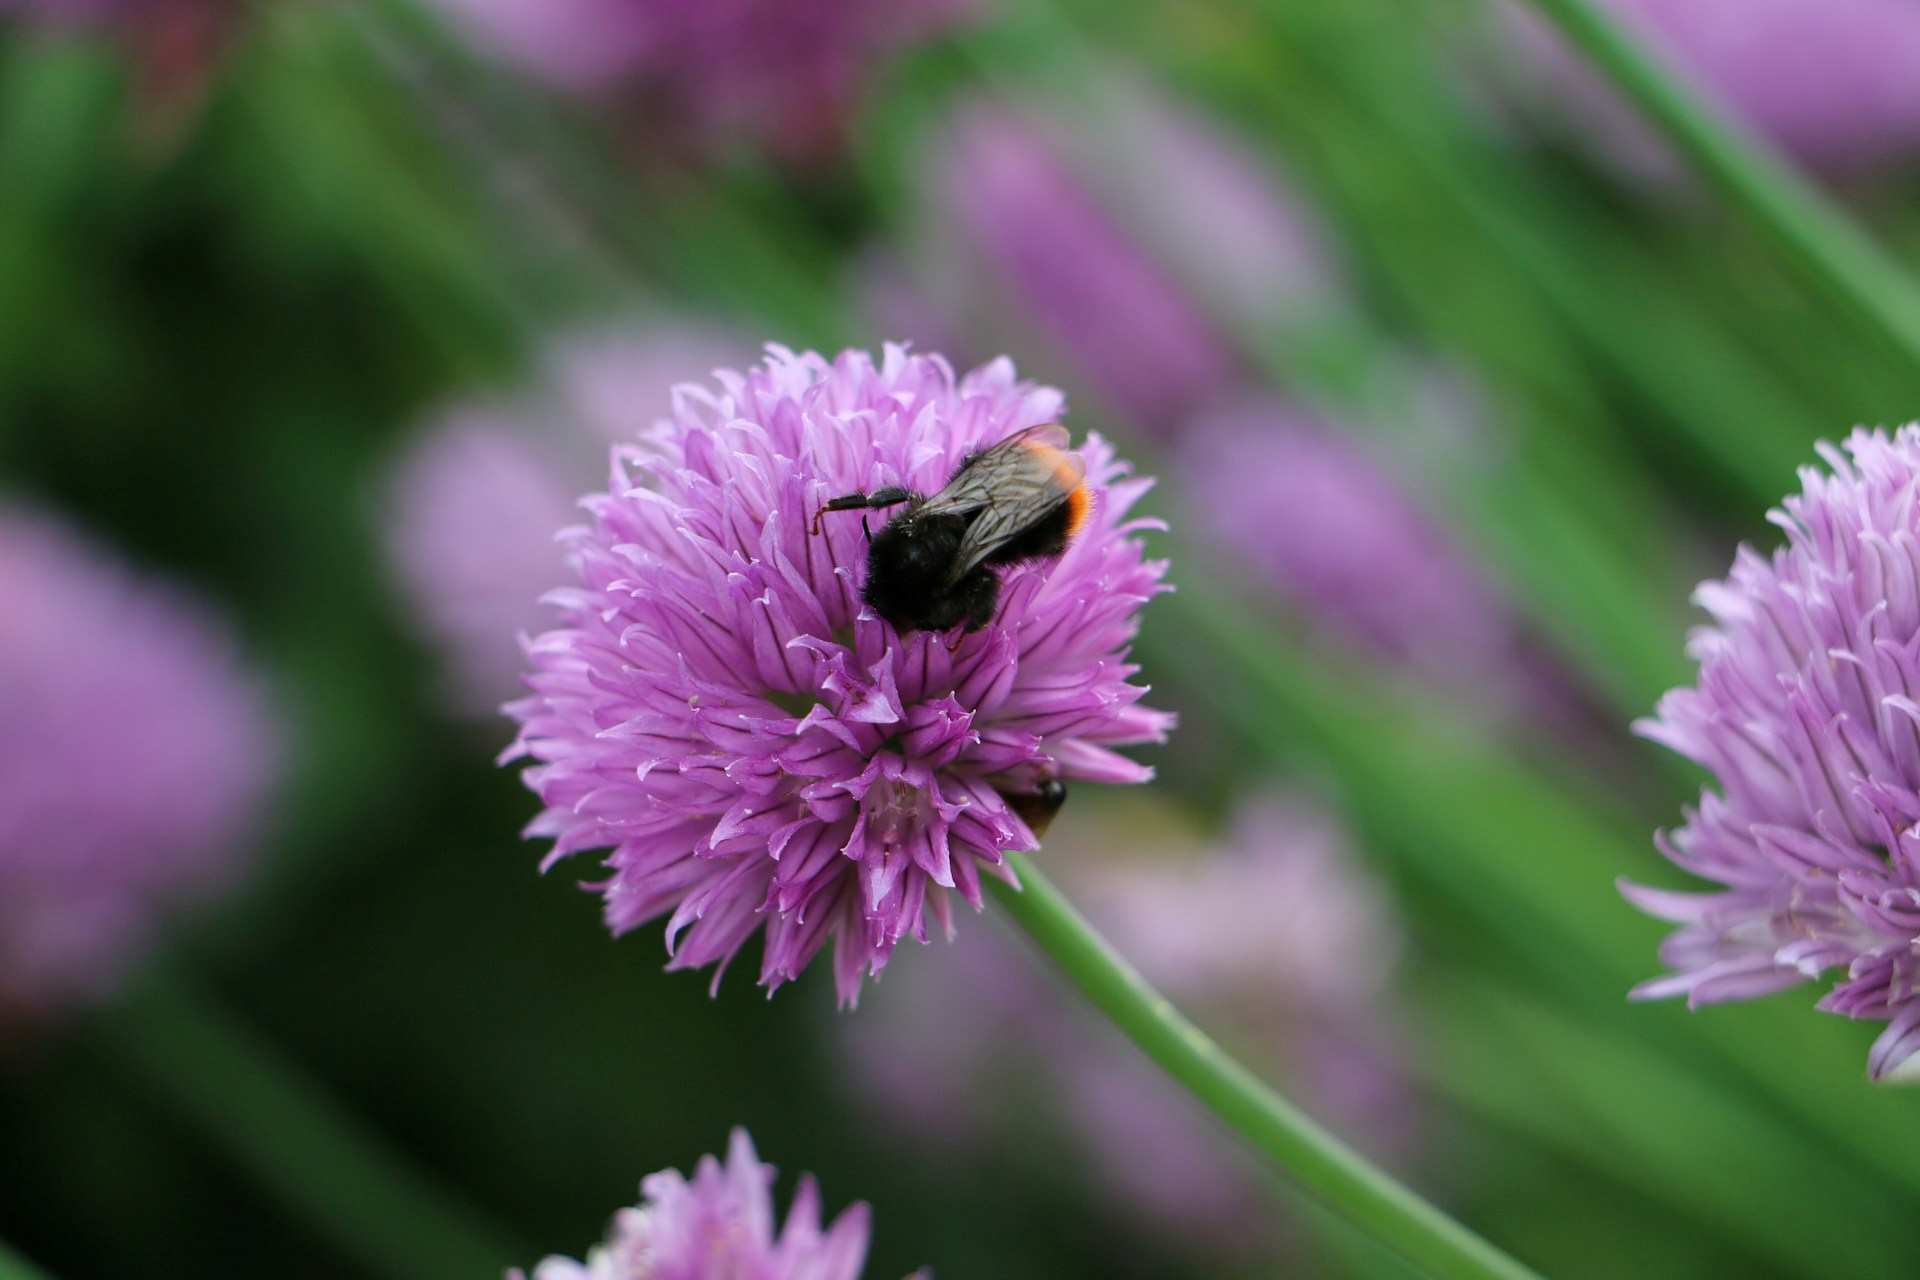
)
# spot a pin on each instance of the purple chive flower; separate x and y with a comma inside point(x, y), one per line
point(1806, 713)
point(472, 505)
point(720, 1225)
point(1316, 515)
point(1274, 936)
point(135, 761)
point(1830, 81)
point(789, 72)
point(751, 745)
point(1125, 256)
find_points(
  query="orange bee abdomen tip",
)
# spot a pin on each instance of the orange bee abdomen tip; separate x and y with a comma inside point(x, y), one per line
point(1079, 507)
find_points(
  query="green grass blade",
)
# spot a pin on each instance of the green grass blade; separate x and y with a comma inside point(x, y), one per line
point(1812, 231)
point(296, 1142)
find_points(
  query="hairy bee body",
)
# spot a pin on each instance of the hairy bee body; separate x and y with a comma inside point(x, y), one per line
point(933, 567)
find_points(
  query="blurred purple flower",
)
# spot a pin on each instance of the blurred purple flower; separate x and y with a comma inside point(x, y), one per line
point(136, 759)
point(1281, 936)
point(1119, 252)
point(1806, 712)
point(1336, 533)
point(473, 504)
point(1239, 239)
point(174, 46)
point(787, 71)
point(580, 45)
point(889, 300)
point(89, 12)
point(720, 1226)
point(1275, 933)
point(1831, 81)
point(753, 746)
point(1278, 918)
point(1125, 321)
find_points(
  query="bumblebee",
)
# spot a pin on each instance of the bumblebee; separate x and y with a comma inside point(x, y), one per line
point(932, 567)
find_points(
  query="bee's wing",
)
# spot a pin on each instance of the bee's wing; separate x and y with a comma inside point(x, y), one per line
point(982, 476)
point(1012, 485)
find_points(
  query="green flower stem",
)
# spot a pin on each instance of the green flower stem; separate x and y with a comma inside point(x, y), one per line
point(1816, 234)
point(324, 1165)
point(1336, 1175)
point(15, 1267)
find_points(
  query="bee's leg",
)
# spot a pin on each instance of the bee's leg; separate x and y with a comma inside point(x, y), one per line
point(891, 496)
point(850, 502)
point(865, 531)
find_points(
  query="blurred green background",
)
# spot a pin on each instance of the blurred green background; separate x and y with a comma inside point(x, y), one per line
point(228, 298)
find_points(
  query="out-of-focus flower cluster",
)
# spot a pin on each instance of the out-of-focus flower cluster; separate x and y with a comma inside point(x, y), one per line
point(721, 1225)
point(1316, 514)
point(1807, 712)
point(787, 72)
point(174, 44)
point(1830, 81)
point(752, 746)
point(123, 13)
point(136, 758)
point(1275, 936)
point(1133, 250)
point(474, 506)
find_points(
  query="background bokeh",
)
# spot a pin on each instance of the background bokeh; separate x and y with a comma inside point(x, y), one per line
point(1456, 381)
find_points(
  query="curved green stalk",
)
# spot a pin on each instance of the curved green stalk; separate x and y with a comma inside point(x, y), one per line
point(1816, 234)
point(1333, 1173)
point(15, 1267)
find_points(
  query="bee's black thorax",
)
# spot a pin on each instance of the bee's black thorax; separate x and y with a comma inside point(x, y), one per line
point(907, 568)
